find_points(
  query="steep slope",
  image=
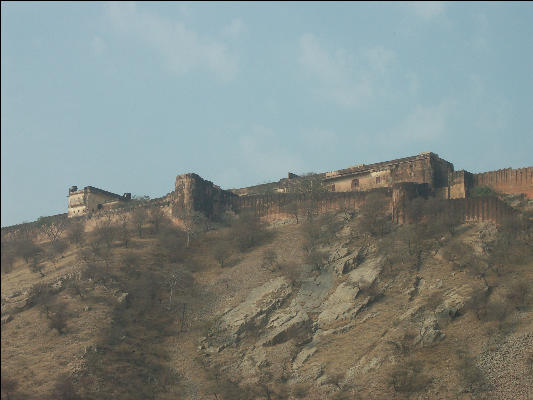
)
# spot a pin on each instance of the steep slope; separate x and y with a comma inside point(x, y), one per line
point(319, 309)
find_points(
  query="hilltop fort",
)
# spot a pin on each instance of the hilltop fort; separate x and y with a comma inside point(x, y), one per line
point(425, 174)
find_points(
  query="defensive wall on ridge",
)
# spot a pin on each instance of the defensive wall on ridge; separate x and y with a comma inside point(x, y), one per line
point(509, 180)
point(425, 174)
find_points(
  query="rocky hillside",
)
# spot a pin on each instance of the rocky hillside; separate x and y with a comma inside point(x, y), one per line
point(336, 306)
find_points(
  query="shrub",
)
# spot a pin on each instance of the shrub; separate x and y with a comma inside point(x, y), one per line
point(158, 219)
point(40, 294)
point(76, 233)
point(58, 319)
point(27, 249)
point(129, 262)
point(269, 260)
point(36, 266)
point(316, 259)
point(8, 385)
point(170, 246)
point(407, 378)
point(8, 260)
point(105, 232)
point(472, 377)
point(519, 294)
point(291, 271)
point(64, 389)
point(96, 273)
point(374, 217)
point(529, 362)
point(221, 252)
point(248, 231)
point(300, 390)
point(478, 303)
point(483, 191)
point(459, 254)
point(139, 217)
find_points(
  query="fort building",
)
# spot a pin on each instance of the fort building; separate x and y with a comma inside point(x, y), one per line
point(425, 168)
point(91, 199)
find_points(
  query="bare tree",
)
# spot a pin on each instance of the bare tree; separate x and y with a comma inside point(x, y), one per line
point(57, 319)
point(124, 232)
point(180, 283)
point(139, 219)
point(8, 260)
point(248, 231)
point(105, 231)
point(178, 280)
point(64, 389)
point(193, 222)
point(157, 218)
point(222, 252)
point(53, 230)
point(373, 218)
point(76, 232)
point(292, 208)
point(269, 259)
point(8, 386)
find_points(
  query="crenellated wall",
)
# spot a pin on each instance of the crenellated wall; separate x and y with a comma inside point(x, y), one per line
point(509, 180)
point(476, 209)
point(282, 205)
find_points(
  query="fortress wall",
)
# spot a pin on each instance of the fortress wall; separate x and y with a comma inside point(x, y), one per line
point(283, 205)
point(509, 180)
point(194, 194)
point(33, 227)
point(477, 209)
point(481, 209)
point(460, 184)
point(115, 215)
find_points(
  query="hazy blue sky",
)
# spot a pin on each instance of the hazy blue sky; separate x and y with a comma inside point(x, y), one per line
point(126, 96)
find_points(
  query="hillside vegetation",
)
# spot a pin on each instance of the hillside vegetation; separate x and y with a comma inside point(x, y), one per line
point(342, 305)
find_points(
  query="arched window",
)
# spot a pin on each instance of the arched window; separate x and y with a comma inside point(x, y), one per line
point(333, 187)
point(378, 180)
point(355, 183)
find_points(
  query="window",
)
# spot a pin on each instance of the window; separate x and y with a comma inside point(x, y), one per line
point(333, 187)
point(378, 180)
point(355, 183)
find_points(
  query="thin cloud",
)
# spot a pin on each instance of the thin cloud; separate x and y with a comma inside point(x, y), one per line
point(234, 29)
point(425, 122)
point(349, 80)
point(98, 45)
point(427, 10)
point(182, 49)
point(265, 154)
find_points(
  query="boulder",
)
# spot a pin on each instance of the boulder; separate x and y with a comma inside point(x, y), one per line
point(257, 307)
point(121, 298)
point(284, 325)
point(430, 332)
point(451, 307)
point(6, 319)
point(303, 356)
point(341, 304)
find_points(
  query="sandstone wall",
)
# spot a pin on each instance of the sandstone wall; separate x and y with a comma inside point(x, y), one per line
point(280, 205)
point(476, 209)
point(195, 194)
point(461, 183)
point(509, 180)
point(425, 168)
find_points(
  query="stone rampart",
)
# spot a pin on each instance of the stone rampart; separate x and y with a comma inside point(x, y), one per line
point(509, 180)
point(476, 209)
point(279, 205)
